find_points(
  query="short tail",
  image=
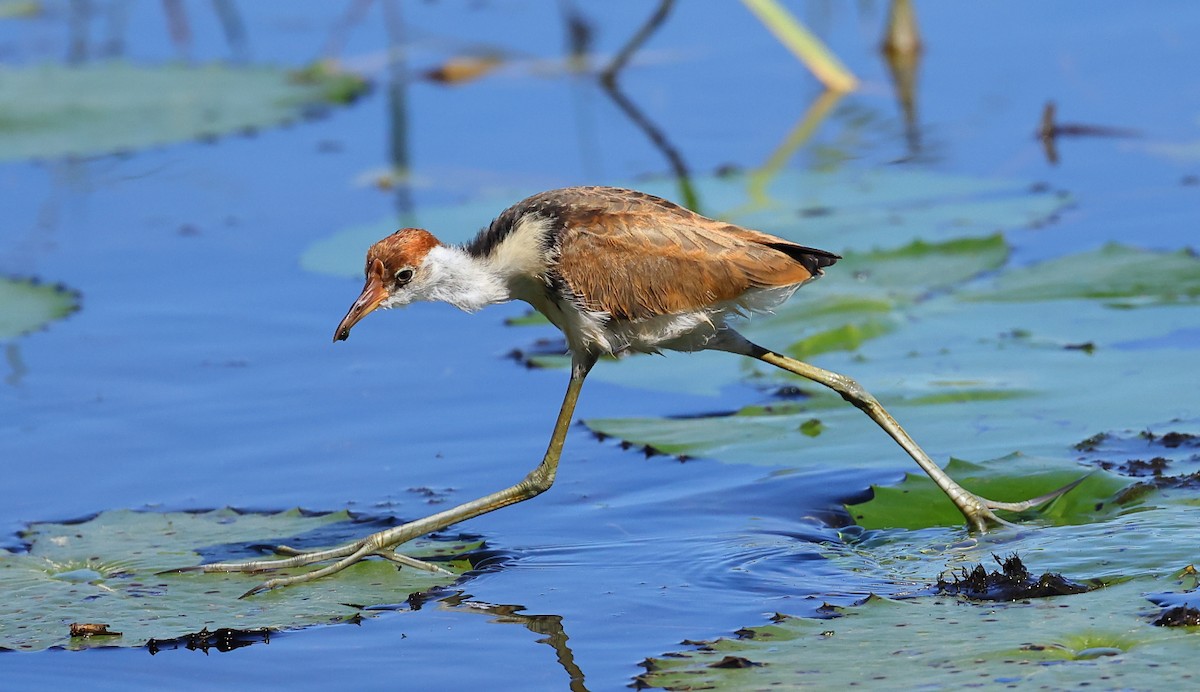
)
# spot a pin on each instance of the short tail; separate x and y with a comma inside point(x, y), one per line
point(810, 258)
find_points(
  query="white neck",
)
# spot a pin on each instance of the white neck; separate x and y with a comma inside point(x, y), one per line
point(457, 278)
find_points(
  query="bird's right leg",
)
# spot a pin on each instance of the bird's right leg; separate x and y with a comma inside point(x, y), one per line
point(383, 542)
point(978, 511)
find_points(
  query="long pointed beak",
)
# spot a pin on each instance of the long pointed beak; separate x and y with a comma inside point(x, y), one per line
point(373, 294)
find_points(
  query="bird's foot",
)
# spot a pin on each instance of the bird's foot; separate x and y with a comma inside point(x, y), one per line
point(343, 556)
point(980, 512)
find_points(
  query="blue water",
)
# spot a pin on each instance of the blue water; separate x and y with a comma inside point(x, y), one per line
point(200, 373)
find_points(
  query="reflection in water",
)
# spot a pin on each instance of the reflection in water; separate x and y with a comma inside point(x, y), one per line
point(398, 179)
point(77, 30)
point(1049, 130)
point(687, 192)
point(80, 14)
point(609, 75)
point(234, 29)
point(12, 354)
point(902, 52)
point(608, 80)
point(580, 35)
point(351, 18)
point(118, 17)
point(759, 178)
point(548, 625)
point(397, 102)
point(179, 27)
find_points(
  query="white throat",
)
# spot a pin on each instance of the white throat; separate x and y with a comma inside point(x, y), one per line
point(453, 276)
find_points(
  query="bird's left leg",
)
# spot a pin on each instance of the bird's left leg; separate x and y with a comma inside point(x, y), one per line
point(977, 510)
point(383, 542)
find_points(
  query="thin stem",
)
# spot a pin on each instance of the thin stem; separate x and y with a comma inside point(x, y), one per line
point(804, 45)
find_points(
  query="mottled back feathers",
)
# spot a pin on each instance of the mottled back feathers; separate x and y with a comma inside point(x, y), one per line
point(636, 256)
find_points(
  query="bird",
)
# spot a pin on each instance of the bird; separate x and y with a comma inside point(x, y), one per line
point(617, 271)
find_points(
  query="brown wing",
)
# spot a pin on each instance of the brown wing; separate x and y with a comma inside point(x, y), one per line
point(634, 256)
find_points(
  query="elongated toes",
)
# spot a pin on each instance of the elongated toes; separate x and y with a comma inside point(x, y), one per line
point(979, 510)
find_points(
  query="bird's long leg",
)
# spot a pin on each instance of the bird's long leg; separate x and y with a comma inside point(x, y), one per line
point(977, 510)
point(381, 543)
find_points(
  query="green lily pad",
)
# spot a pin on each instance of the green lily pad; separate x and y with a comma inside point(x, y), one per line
point(105, 570)
point(1100, 637)
point(766, 434)
point(846, 337)
point(1114, 272)
point(921, 266)
point(52, 110)
point(27, 305)
point(917, 503)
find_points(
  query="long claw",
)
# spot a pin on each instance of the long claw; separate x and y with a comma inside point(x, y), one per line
point(1039, 500)
point(978, 510)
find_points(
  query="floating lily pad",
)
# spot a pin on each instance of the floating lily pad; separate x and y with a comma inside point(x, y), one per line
point(105, 571)
point(917, 503)
point(1125, 275)
point(27, 305)
point(1101, 636)
point(51, 111)
point(894, 642)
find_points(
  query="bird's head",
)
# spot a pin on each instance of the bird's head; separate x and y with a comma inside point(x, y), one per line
point(397, 275)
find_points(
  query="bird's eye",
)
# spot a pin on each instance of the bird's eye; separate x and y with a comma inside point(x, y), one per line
point(404, 276)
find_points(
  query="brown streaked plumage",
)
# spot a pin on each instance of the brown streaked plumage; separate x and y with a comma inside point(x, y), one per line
point(616, 270)
point(668, 259)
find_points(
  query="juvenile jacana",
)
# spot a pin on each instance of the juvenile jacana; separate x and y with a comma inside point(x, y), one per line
point(617, 271)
